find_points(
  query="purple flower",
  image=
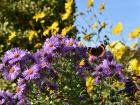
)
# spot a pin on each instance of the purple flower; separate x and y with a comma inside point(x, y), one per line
point(43, 54)
point(70, 44)
point(20, 91)
point(108, 68)
point(32, 73)
point(6, 98)
point(14, 55)
point(23, 102)
point(20, 81)
point(44, 64)
point(97, 80)
point(81, 52)
point(1, 67)
point(52, 43)
point(11, 73)
point(108, 55)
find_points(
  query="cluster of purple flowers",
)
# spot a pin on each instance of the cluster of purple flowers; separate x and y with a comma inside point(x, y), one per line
point(102, 67)
point(23, 66)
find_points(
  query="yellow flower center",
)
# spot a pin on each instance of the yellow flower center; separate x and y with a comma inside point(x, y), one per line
point(18, 89)
point(71, 43)
point(62, 43)
point(11, 70)
point(30, 71)
point(51, 45)
point(43, 64)
point(16, 55)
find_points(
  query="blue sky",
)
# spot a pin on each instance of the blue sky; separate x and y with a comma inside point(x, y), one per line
point(126, 11)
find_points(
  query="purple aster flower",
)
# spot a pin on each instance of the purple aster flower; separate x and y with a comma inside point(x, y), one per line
point(121, 77)
point(21, 81)
point(11, 73)
point(97, 80)
point(5, 98)
point(20, 91)
point(1, 67)
point(44, 64)
point(32, 72)
point(43, 54)
point(108, 55)
point(110, 67)
point(81, 52)
point(71, 43)
point(14, 55)
point(23, 102)
point(105, 63)
point(52, 43)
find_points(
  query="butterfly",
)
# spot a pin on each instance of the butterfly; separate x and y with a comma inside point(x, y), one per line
point(97, 51)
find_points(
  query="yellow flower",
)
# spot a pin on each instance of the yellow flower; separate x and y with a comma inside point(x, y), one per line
point(118, 84)
point(39, 15)
point(94, 26)
point(53, 29)
point(31, 35)
point(66, 30)
point(117, 29)
point(103, 24)
point(42, 21)
point(39, 31)
point(102, 7)
point(133, 64)
point(38, 45)
point(46, 32)
point(134, 45)
point(68, 4)
point(90, 3)
point(89, 84)
point(54, 25)
point(47, 98)
point(82, 62)
point(66, 15)
point(118, 49)
point(11, 36)
point(68, 9)
point(135, 33)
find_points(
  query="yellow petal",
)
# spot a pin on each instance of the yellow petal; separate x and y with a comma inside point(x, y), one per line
point(31, 35)
point(94, 26)
point(11, 36)
point(90, 3)
point(134, 45)
point(39, 15)
point(135, 33)
point(102, 7)
point(117, 29)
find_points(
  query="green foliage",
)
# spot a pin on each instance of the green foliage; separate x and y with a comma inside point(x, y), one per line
point(17, 16)
point(19, 29)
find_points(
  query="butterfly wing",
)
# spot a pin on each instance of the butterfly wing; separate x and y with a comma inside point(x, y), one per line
point(98, 51)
